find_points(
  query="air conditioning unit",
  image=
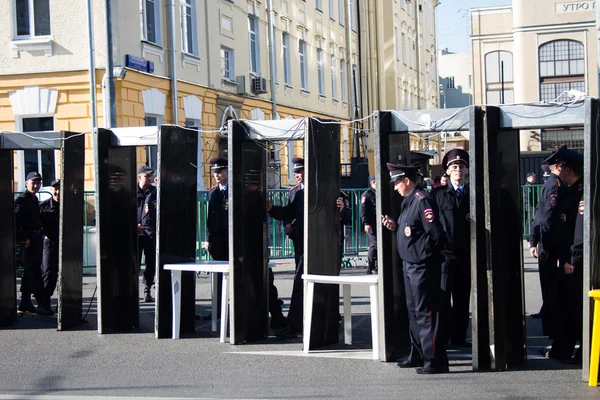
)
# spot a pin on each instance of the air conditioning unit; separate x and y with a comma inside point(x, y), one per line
point(259, 85)
point(241, 84)
point(457, 134)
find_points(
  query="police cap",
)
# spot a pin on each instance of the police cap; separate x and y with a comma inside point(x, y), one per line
point(55, 182)
point(218, 164)
point(145, 170)
point(298, 164)
point(33, 176)
point(455, 156)
point(398, 171)
point(563, 155)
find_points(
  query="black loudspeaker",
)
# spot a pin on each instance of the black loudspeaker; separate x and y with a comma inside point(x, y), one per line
point(360, 173)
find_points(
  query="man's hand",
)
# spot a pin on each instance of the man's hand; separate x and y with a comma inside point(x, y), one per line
point(533, 252)
point(27, 243)
point(269, 205)
point(289, 229)
point(340, 203)
point(140, 228)
point(206, 246)
point(367, 228)
point(569, 269)
point(389, 223)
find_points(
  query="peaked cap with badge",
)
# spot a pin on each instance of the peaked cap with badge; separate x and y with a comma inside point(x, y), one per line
point(563, 155)
point(218, 164)
point(398, 171)
point(298, 164)
point(455, 156)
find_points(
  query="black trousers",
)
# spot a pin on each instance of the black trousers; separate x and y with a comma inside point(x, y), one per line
point(549, 275)
point(296, 313)
point(423, 300)
point(147, 245)
point(569, 314)
point(50, 267)
point(32, 283)
point(372, 254)
point(456, 292)
point(274, 304)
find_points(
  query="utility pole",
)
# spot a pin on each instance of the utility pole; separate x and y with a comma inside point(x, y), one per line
point(110, 107)
point(272, 58)
point(92, 64)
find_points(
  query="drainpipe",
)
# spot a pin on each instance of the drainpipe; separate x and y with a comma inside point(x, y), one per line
point(349, 80)
point(272, 58)
point(171, 40)
point(92, 67)
point(108, 82)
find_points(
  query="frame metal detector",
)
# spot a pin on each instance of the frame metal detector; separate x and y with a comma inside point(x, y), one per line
point(70, 275)
point(498, 318)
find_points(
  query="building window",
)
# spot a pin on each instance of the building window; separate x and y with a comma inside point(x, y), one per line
point(319, 5)
point(303, 69)
point(41, 161)
point(403, 4)
point(573, 138)
point(396, 44)
point(188, 26)
point(333, 78)
point(341, 12)
point(287, 70)
point(151, 21)
point(562, 68)
point(254, 45)
point(152, 151)
point(321, 72)
point(332, 9)
point(32, 18)
point(353, 16)
point(343, 81)
point(495, 62)
point(227, 70)
point(498, 96)
point(404, 48)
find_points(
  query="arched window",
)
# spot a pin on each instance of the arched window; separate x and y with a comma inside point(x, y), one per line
point(562, 68)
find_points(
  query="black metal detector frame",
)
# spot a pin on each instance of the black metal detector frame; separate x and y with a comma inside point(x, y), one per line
point(496, 250)
point(70, 275)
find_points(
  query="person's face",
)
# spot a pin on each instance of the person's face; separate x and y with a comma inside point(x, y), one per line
point(33, 186)
point(299, 176)
point(221, 176)
point(443, 181)
point(402, 186)
point(56, 193)
point(457, 172)
point(145, 179)
point(531, 179)
point(374, 184)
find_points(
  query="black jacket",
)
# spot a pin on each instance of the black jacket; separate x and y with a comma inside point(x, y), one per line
point(577, 248)
point(548, 228)
point(454, 217)
point(217, 222)
point(142, 208)
point(50, 210)
point(368, 209)
point(28, 217)
point(292, 213)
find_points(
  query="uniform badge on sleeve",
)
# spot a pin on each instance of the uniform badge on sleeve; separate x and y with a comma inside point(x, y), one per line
point(407, 231)
point(347, 203)
point(553, 200)
point(363, 199)
point(428, 214)
point(146, 208)
point(581, 207)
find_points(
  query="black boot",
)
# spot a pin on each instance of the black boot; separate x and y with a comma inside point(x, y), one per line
point(43, 307)
point(147, 296)
point(26, 306)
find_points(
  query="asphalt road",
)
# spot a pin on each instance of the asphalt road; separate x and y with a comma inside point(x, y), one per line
point(40, 362)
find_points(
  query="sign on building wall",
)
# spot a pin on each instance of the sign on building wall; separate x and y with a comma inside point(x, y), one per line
point(575, 6)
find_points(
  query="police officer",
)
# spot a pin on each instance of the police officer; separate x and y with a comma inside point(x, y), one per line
point(50, 225)
point(146, 234)
point(546, 242)
point(420, 241)
point(28, 228)
point(453, 203)
point(368, 216)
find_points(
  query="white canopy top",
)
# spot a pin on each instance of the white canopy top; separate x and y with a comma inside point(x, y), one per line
point(280, 129)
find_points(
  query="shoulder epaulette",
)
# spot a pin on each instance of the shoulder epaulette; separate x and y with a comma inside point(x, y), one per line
point(344, 193)
point(420, 195)
point(294, 187)
point(214, 187)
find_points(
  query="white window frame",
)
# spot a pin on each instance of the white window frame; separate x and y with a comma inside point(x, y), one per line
point(254, 44)
point(303, 65)
point(334, 92)
point(31, 17)
point(332, 9)
point(343, 80)
point(396, 43)
point(157, 20)
point(319, 5)
point(286, 57)
point(186, 47)
point(231, 69)
point(342, 14)
point(321, 72)
point(20, 154)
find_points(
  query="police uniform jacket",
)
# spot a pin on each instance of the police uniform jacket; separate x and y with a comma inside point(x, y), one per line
point(149, 214)
point(50, 210)
point(345, 216)
point(420, 235)
point(568, 217)
point(368, 211)
point(142, 197)
point(454, 216)
point(292, 213)
point(548, 226)
point(218, 215)
point(27, 216)
point(577, 248)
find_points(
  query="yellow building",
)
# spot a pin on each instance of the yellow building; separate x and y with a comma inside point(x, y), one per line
point(220, 53)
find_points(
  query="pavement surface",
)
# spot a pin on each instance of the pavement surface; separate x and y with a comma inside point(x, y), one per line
point(39, 362)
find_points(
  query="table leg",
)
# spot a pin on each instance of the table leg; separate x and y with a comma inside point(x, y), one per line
point(373, 289)
point(224, 308)
point(347, 294)
point(308, 308)
point(213, 298)
point(176, 290)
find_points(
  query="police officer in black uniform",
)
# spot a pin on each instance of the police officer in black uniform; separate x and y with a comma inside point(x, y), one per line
point(368, 216)
point(146, 234)
point(293, 212)
point(28, 228)
point(453, 203)
point(420, 241)
point(50, 225)
point(546, 242)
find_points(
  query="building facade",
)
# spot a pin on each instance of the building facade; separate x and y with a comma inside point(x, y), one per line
point(399, 60)
point(220, 54)
point(535, 51)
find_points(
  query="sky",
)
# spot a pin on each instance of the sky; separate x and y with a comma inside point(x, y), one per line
point(453, 22)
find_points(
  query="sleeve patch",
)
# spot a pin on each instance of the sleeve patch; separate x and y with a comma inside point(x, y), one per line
point(347, 203)
point(581, 207)
point(428, 214)
point(420, 196)
point(553, 200)
point(363, 199)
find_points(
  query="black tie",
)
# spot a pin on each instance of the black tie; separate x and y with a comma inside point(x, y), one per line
point(458, 193)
